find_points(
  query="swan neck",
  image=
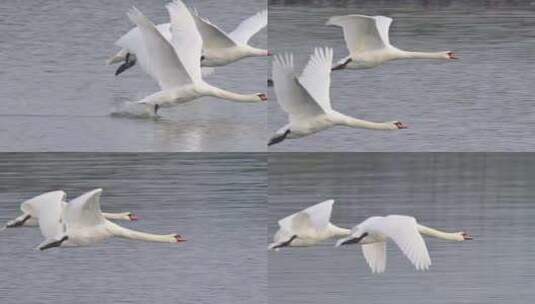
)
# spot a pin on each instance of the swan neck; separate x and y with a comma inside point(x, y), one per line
point(115, 216)
point(126, 233)
point(224, 94)
point(420, 55)
point(359, 123)
point(258, 52)
point(439, 234)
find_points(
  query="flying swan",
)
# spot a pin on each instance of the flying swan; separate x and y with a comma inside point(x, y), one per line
point(175, 65)
point(306, 98)
point(373, 233)
point(307, 227)
point(30, 210)
point(219, 48)
point(369, 45)
point(81, 222)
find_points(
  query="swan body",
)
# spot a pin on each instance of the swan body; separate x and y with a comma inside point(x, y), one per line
point(368, 43)
point(175, 65)
point(30, 210)
point(306, 98)
point(404, 231)
point(307, 227)
point(219, 48)
point(81, 222)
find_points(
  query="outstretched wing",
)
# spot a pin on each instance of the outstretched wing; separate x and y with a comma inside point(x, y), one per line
point(185, 38)
point(213, 37)
point(291, 96)
point(48, 207)
point(84, 211)
point(403, 230)
point(250, 26)
point(363, 33)
point(309, 220)
point(316, 77)
point(156, 55)
point(375, 255)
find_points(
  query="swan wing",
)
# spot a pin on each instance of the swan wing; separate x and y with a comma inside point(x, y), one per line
point(309, 220)
point(84, 211)
point(48, 207)
point(363, 33)
point(403, 230)
point(213, 37)
point(156, 55)
point(375, 255)
point(185, 38)
point(250, 26)
point(316, 77)
point(291, 96)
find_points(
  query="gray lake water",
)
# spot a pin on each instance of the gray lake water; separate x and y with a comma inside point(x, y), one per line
point(482, 102)
point(492, 196)
point(217, 202)
point(57, 93)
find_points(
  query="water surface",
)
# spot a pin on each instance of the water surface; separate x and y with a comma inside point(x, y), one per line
point(482, 102)
point(492, 196)
point(209, 199)
point(57, 93)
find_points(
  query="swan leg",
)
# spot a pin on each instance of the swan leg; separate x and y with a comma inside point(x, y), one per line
point(19, 221)
point(129, 62)
point(278, 139)
point(284, 244)
point(156, 107)
point(342, 65)
point(52, 244)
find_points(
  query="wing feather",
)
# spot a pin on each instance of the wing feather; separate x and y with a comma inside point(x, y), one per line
point(375, 255)
point(316, 77)
point(363, 33)
point(84, 210)
point(213, 37)
point(156, 55)
point(291, 96)
point(185, 38)
point(309, 220)
point(249, 27)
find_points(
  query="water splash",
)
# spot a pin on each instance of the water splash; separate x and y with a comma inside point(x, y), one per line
point(130, 109)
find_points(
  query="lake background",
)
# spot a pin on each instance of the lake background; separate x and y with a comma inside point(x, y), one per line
point(217, 202)
point(482, 102)
point(491, 196)
point(57, 93)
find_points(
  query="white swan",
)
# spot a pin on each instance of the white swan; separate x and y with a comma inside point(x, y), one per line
point(219, 48)
point(176, 67)
point(81, 222)
point(30, 210)
point(369, 45)
point(404, 231)
point(307, 227)
point(306, 98)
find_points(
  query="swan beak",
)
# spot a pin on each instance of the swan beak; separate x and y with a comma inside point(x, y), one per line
point(134, 217)
point(452, 55)
point(269, 53)
point(179, 238)
point(401, 125)
point(263, 97)
point(467, 237)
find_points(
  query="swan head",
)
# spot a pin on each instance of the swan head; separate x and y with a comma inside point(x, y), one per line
point(463, 236)
point(450, 55)
point(397, 125)
point(179, 238)
point(262, 96)
point(132, 217)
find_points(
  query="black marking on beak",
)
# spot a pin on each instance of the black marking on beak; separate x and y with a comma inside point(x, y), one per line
point(278, 139)
point(54, 244)
point(341, 65)
point(19, 223)
point(287, 243)
point(128, 63)
point(354, 240)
